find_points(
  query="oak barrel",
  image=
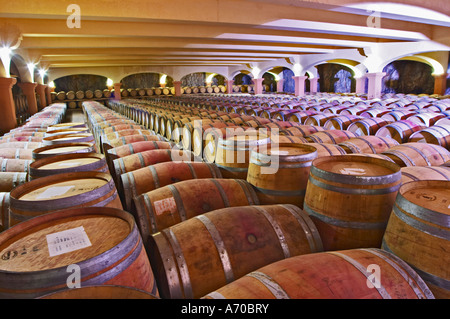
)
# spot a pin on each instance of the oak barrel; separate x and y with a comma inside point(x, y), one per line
point(418, 154)
point(234, 241)
point(418, 232)
point(350, 199)
point(35, 262)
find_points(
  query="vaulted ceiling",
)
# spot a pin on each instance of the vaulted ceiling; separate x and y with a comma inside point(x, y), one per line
point(212, 32)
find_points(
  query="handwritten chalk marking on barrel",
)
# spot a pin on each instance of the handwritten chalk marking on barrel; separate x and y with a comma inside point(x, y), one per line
point(164, 205)
point(54, 191)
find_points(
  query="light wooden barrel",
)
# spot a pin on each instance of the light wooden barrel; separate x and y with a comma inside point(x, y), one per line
point(350, 199)
point(368, 145)
point(158, 175)
point(233, 153)
point(70, 95)
point(69, 138)
point(89, 94)
point(22, 145)
point(331, 136)
point(234, 241)
point(325, 149)
point(172, 204)
point(418, 232)
point(400, 131)
point(280, 172)
point(341, 122)
point(79, 95)
point(301, 130)
point(418, 154)
point(368, 126)
point(438, 135)
point(61, 149)
point(62, 191)
point(199, 136)
point(128, 139)
point(310, 277)
point(14, 165)
point(212, 139)
point(16, 153)
point(68, 163)
point(419, 173)
point(44, 264)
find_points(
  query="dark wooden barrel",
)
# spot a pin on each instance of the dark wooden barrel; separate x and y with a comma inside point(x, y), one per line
point(418, 154)
point(234, 241)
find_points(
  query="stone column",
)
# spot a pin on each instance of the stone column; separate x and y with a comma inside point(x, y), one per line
point(375, 84)
point(29, 90)
point(48, 93)
point(177, 86)
point(230, 84)
point(360, 85)
point(313, 85)
point(7, 106)
point(280, 84)
point(40, 89)
point(440, 84)
point(117, 93)
point(258, 85)
point(299, 85)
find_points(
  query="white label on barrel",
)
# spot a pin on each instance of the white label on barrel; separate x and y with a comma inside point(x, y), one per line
point(54, 191)
point(165, 205)
point(67, 240)
point(70, 164)
point(353, 171)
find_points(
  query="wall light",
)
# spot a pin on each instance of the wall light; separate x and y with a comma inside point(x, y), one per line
point(162, 79)
point(109, 82)
point(31, 66)
point(5, 57)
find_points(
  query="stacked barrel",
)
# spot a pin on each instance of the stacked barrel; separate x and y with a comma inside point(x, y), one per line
point(238, 197)
point(298, 156)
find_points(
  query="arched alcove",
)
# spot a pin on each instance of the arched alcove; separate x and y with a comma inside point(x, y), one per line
point(336, 78)
point(80, 82)
point(144, 80)
point(408, 77)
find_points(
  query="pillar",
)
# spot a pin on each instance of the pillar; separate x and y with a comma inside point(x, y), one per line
point(299, 85)
point(177, 86)
point(40, 89)
point(48, 93)
point(230, 84)
point(440, 84)
point(313, 85)
point(29, 90)
point(7, 106)
point(360, 85)
point(280, 85)
point(375, 84)
point(117, 93)
point(258, 85)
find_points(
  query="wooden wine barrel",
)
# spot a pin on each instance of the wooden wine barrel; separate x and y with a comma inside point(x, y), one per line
point(310, 277)
point(117, 134)
point(98, 94)
point(68, 125)
point(101, 234)
point(67, 131)
point(60, 149)
point(368, 145)
point(398, 115)
point(301, 116)
point(302, 130)
point(100, 292)
point(128, 139)
point(341, 122)
point(61, 96)
point(325, 149)
point(80, 95)
point(350, 199)
point(120, 127)
point(69, 138)
point(10, 180)
point(331, 136)
point(319, 119)
point(233, 153)
point(16, 153)
point(70, 95)
point(369, 126)
point(418, 154)
point(279, 172)
point(428, 119)
point(151, 177)
point(212, 140)
point(400, 131)
point(14, 165)
point(199, 136)
point(420, 173)
point(68, 163)
point(438, 135)
point(418, 230)
point(137, 147)
point(234, 241)
point(22, 145)
point(172, 204)
point(62, 191)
